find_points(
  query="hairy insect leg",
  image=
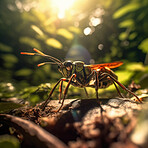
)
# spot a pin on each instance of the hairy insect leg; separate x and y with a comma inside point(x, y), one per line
point(96, 88)
point(65, 92)
point(86, 92)
point(51, 92)
point(123, 87)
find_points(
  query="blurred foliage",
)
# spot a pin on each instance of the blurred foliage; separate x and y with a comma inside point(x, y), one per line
point(11, 98)
point(7, 90)
point(109, 30)
point(7, 141)
point(7, 107)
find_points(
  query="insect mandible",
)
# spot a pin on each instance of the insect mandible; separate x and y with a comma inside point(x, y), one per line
point(79, 74)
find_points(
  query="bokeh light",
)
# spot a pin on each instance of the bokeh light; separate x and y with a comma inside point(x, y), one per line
point(87, 31)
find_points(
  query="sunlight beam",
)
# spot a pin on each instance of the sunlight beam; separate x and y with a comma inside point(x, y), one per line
point(62, 6)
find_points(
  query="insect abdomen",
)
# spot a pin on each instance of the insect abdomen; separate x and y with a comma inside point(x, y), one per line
point(104, 80)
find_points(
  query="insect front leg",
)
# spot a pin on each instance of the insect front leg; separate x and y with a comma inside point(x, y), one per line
point(65, 92)
point(60, 89)
point(51, 92)
point(122, 86)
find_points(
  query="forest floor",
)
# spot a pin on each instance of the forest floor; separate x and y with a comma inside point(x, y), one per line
point(80, 124)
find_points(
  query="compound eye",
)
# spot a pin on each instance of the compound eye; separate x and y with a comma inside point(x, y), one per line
point(68, 66)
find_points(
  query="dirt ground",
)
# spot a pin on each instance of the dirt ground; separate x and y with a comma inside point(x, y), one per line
point(80, 124)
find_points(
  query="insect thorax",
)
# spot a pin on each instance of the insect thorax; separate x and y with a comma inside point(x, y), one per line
point(82, 72)
point(80, 69)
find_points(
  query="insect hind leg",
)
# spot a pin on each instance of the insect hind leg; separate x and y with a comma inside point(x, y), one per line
point(122, 86)
point(65, 93)
point(119, 93)
point(96, 88)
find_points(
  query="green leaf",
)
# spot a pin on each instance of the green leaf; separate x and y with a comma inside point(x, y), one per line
point(132, 35)
point(7, 141)
point(123, 36)
point(30, 41)
point(135, 67)
point(5, 48)
point(6, 107)
point(144, 45)
point(37, 30)
point(24, 72)
point(54, 43)
point(65, 33)
point(126, 23)
point(10, 58)
point(126, 9)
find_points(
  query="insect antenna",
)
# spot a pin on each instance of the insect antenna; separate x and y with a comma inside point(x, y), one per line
point(41, 64)
point(50, 57)
point(39, 53)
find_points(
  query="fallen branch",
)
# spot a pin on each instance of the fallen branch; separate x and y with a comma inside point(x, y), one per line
point(32, 132)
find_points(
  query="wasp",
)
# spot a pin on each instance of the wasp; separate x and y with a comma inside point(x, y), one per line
point(78, 74)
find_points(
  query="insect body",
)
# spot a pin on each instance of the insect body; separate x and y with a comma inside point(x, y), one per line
point(85, 74)
point(80, 75)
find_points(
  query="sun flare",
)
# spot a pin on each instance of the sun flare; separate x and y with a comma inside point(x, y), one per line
point(62, 6)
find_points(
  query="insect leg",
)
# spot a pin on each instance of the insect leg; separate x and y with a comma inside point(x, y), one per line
point(86, 92)
point(96, 88)
point(123, 87)
point(117, 89)
point(65, 92)
point(51, 92)
point(60, 89)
